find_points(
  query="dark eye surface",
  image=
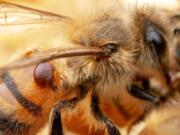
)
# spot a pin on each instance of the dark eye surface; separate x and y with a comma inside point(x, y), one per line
point(112, 47)
point(43, 74)
point(177, 31)
point(154, 38)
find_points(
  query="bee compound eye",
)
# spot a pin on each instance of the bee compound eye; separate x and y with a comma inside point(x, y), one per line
point(154, 38)
point(43, 75)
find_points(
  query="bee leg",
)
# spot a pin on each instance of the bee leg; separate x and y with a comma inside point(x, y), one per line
point(57, 128)
point(112, 129)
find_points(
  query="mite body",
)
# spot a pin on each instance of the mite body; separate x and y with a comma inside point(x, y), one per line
point(118, 52)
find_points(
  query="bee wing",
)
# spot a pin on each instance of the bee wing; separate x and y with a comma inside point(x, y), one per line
point(12, 15)
point(51, 54)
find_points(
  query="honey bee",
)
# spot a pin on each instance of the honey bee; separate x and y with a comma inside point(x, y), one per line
point(116, 51)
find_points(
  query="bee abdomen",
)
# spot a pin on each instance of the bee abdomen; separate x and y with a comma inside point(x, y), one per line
point(13, 88)
point(10, 126)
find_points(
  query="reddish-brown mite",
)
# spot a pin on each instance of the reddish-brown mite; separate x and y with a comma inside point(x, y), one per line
point(43, 74)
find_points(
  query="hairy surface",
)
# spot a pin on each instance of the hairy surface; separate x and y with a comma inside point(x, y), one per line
point(136, 42)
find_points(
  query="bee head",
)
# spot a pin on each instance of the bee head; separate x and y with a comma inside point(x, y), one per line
point(139, 39)
point(109, 32)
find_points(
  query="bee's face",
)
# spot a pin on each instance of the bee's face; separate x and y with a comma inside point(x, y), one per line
point(110, 34)
point(129, 44)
